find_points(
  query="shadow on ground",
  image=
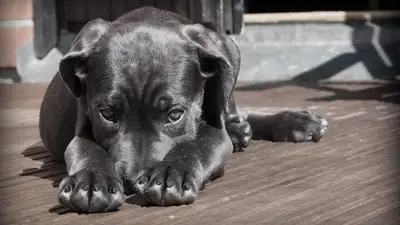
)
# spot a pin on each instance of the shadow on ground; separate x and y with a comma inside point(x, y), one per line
point(384, 92)
point(55, 171)
point(50, 169)
point(376, 46)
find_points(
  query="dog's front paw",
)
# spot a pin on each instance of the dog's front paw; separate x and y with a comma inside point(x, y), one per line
point(299, 126)
point(90, 191)
point(167, 184)
point(239, 131)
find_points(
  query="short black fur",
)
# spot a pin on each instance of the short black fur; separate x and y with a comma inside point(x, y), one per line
point(144, 104)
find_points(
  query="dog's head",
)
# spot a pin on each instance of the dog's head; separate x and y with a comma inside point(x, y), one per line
point(145, 87)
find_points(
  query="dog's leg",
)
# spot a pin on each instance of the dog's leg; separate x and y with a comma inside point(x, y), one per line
point(237, 127)
point(183, 172)
point(288, 126)
point(92, 184)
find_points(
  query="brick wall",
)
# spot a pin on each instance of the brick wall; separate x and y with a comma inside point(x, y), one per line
point(16, 28)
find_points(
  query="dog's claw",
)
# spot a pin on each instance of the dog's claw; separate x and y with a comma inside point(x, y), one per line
point(239, 131)
point(299, 126)
point(178, 188)
point(75, 192)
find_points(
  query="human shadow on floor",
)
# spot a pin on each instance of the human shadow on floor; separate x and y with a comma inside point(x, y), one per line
point(385, 92)
point(375, 45)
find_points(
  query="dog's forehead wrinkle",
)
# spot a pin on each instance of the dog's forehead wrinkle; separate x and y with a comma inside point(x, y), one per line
point(147, 33)
point(140, 88)
point(141, 60)
point(146, 46)
point(145, 38)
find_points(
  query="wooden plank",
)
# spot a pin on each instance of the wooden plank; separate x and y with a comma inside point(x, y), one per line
point(45, 26)
point(228, 16)
point(71, 12)
point(117, 9)
point(338, 16)
point(208, 14)
point(345, 178)
point(147, 3)
point(238, 13)
point(219, 15)
point(181, 7)
point(195, 10)
point(373, 4)
point(129, 5)
point(98, 9)
point(164, 4)
point(208, 11)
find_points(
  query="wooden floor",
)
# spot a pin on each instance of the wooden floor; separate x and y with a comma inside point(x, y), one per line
point(349, 177)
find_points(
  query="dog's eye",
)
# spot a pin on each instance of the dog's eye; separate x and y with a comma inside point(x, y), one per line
point(175, 115)
point(108, 115)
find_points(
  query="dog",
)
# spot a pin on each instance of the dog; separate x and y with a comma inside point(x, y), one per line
point(144, 105)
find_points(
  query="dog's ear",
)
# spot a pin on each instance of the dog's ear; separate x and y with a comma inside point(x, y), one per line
point(219, 60)
point(73, 67)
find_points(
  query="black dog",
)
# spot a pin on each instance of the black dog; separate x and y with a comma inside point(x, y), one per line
point(144, 104)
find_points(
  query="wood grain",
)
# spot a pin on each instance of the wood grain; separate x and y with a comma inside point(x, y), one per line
point(350, 177)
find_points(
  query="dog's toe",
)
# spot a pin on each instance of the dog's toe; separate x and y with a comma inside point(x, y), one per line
point(89, 192)
point(324, 127)
point(167, 185)
point(300, 126)
point(240, 132)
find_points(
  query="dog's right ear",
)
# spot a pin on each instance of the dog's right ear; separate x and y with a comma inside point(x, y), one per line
point(73, 67)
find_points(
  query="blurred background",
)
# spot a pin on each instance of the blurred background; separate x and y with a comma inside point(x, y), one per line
point(280, 41)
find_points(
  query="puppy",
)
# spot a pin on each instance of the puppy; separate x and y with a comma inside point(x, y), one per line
point(144, 105)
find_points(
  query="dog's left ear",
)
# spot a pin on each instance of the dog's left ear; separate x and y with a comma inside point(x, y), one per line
point(219, 61)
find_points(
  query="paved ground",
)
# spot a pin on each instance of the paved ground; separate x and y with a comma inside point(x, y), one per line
point(350, 177)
